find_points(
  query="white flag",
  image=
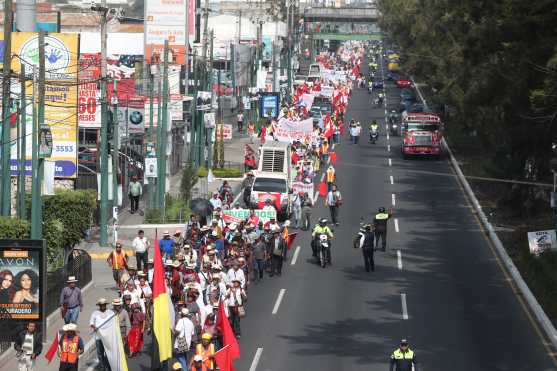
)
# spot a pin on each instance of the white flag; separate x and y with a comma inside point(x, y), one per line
point(111, 337)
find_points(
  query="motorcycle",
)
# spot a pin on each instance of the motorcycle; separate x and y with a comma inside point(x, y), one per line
point(324, 250)
point(393, 126)
point(373, 135)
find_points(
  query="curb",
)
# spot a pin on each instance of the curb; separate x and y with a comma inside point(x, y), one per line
point(531, 300)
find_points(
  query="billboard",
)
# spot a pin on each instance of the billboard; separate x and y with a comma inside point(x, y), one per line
point(165, 20)
point(61, 92)
point(88, 92)
point(269, 105)
point(22, 285)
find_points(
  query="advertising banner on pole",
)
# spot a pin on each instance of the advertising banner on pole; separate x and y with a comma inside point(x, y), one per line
point(89, 109)
point(61, 97)
point(23, 289)
point(541, 241)
point(270, 104)
point(165, 20)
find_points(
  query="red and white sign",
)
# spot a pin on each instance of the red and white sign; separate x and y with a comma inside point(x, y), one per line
point(298, 187)
point(225, 129)
point(88, 107)
point(287, 130)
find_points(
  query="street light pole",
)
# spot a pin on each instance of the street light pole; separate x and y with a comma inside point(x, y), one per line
point(6, 182)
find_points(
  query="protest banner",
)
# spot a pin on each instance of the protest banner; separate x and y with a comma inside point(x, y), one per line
point(287, 130)
point(298, 187)
point(237, 215)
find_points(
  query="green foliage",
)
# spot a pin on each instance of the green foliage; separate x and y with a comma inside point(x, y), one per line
point(176, 212)
point(12, 228)
point(74, 210)
point(202, 172)
point(230, 172)
point(189, 178)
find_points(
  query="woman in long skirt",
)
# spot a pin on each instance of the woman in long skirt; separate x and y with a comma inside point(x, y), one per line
point(135, 336)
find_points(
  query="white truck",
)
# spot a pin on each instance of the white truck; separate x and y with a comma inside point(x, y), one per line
point(273, 178)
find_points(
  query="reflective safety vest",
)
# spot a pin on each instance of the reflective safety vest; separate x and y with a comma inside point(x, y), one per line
point(69, 352)
point(325, 148)
point(330, 175)
point(206, 353)
point(403, 360)
point(381, 222)
point(118, 260)
point(382, 216)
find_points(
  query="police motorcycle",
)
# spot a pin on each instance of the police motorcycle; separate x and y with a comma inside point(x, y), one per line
point(321, 248)
point(373, 132)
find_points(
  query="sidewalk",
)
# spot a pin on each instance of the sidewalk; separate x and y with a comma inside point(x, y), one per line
point(101, 286)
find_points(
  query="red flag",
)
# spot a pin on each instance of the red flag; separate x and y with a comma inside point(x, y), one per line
point(291, 238)
point(228, 337)
point(53, 348)
point(224, 359)
point(333, 156)
point(322, 189)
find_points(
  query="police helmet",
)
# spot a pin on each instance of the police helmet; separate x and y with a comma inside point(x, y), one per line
point(323, 221)
point(381, 209)
point(368, 227)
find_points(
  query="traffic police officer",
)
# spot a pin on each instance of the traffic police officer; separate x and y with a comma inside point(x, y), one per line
point(366, 244)
point(403, 358)
point(321, 228)
point(380, 223)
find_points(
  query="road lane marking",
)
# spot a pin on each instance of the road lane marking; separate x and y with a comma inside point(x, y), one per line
point(399, 259)
point(404, 306)
point(390, 162)
point(393, 199)
point(256, 358)
point(396, 225)
point(315, 196)
point(295, 257)
point(392, 179)
point(279, 299)
point(388, 138)
point(388, 146)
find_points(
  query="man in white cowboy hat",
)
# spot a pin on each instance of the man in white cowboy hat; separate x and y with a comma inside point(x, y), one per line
point(99, 318)
point(216, 289)
point(236, 273)
point(71, 302)
point(124, 318)
point(70, 347)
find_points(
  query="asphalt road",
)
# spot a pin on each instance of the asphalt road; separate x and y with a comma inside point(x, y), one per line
point(438, 284)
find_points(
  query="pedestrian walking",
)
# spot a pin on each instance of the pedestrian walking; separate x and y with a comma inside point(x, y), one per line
point(124, 319)
point(118, 261)
point(403, 358)
point(141, 246)
point(251, 131)
point(334, 201)
point(166, 246)
point(380, 223)
point(278, 252)
point(366, 244)
point(235, 299)
point(71, 302)
point(240, 121)
point(135, 190)
point(259, 257)
point(70, 347)
point(297, 209)
point(28, 346)
point(206, 351)
point(307, 204)
point(98, 318)
point(330, 177)
point(135, 336)
point(184, 332)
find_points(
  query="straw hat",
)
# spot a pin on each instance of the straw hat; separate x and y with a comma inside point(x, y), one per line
point(71, 279)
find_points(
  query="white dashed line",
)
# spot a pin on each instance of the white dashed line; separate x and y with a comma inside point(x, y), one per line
point(399, 259)
point(295, 257)
point(393, 199)
point(396, 226)
point(389, 147)
point(392, 179)
point(256, 358)
point(322, 177)
point(390, 162)
point(404, 306)
point(279, 300)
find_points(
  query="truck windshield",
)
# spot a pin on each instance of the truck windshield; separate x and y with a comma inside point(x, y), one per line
point(422, 126)
point(269, 185)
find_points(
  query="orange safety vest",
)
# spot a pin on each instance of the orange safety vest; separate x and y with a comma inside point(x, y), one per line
point(325, 148)
point(205, 353)
point(330, 175)
point(118, 261)
point(69, 352)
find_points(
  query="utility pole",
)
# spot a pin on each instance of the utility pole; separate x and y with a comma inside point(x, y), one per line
point(239, 27)
point(6, 199)
point(159, 130)
point(103, 10)
point(193, 129)
point(151, 184)
point(204, 70)
point(115, 144)
point(210, 130)
point(22, 115)
point(289, 25)
point(38, 164)
point(161, 188)
point(186, 51)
